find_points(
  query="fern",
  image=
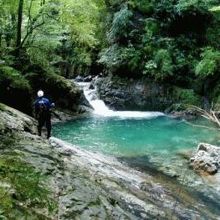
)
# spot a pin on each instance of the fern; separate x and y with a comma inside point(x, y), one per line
point(120, 25)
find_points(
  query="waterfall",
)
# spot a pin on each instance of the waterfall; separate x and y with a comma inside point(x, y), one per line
point(101, 109)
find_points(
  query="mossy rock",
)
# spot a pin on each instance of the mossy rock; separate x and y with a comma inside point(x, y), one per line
point(22, 191)
point(57, 88)
point(2, 107)
point(15, 89)
point(186, 96)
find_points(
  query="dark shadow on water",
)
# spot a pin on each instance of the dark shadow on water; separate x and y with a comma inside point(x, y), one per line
point(190, 196)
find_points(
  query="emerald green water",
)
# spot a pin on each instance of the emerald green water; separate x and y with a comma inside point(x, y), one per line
point(149, 144)
point(134, 137)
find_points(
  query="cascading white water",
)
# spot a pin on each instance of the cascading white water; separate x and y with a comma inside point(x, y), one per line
point(101, 109)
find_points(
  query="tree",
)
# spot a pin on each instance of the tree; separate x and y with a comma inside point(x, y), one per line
point(19, 23)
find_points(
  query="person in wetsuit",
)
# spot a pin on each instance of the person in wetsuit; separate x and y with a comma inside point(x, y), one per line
point(43, 113)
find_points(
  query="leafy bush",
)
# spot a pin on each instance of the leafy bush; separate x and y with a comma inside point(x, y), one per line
point(117, 58)
point(120, 24)
point(42, 52)
point(151, 27)
point(209, 63)
point(144, 6)
point(162, 42)
point(187, 96)
point(161, 67)
point(111, 58)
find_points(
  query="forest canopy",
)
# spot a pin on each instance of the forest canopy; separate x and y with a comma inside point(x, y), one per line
point(169, 41)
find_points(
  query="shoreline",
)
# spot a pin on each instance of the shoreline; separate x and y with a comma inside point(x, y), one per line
point(84, 184)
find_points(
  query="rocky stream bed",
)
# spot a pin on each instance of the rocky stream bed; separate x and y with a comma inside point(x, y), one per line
point(84, 185)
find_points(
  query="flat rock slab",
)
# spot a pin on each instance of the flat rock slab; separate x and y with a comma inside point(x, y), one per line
point(88, 185)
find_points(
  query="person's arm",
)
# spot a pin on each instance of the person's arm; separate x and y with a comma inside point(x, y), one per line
point(52, 105)
point(49, 104)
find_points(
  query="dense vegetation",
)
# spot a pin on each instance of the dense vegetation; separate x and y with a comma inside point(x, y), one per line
point(44, 42)
point(169, 41)
point(41, 40)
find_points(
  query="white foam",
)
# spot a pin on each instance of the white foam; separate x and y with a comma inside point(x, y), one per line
point(102, 110)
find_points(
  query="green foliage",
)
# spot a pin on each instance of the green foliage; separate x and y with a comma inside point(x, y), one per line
point(82, 18)
point(162, 39)
point(192, 4)
point(209, 64)
point(164, 64)
point(161, 66)
point(120, 25)
point(215, 9)
point(144, 6)
point(187, 96)
point(7, 20)
point(115, 57)
point(41, 52)
point(12, 79)
point(110, 57)
point(6, 203)
point(45, 27)
point(151, 28)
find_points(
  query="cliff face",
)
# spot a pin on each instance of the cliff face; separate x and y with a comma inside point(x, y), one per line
point(56, 180)
point(143, 94)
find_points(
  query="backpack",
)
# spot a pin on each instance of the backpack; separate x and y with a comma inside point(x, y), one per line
point(42, 106)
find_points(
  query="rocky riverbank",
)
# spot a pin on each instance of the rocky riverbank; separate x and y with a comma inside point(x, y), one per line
point(56, 180)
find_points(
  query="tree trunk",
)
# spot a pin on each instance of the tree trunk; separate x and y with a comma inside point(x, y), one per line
point(43, 2)
point(19, 24)
point(0, 41)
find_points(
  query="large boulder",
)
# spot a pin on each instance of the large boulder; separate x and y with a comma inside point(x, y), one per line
point(141, 94)
point(16, 121)
point(63, 92)
point(18, 90)
point(15, 89)
point(206, 159)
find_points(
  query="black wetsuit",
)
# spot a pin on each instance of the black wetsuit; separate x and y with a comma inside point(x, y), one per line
point(43, 114)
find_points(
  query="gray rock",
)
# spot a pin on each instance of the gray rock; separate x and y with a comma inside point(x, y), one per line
point(206, 159)
point(141, 94)
point(125, 94)
point(87, 185)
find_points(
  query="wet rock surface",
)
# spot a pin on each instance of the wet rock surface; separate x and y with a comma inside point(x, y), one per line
point(87, 185)
point(141, 94)
point(124, 94)
point(206, 159)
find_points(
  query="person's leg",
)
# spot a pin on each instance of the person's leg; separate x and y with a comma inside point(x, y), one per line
point(40, 125)
point(48, 125)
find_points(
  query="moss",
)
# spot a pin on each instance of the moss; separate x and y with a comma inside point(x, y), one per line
point(15, 89)
point(186, 96)
point(7, 139)
point(14, 77)
point(56, 87)
point(2, 107)
point(22, 190)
